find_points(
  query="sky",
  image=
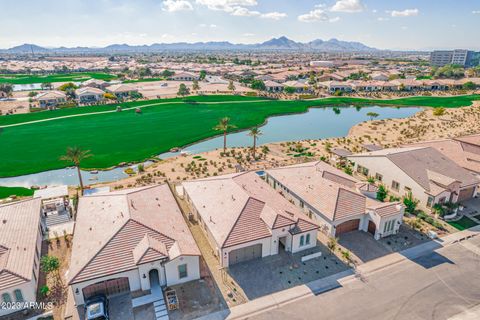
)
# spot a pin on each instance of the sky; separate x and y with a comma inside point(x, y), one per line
point(384, 24)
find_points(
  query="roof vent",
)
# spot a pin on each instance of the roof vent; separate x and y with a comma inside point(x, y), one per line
point(4, 221)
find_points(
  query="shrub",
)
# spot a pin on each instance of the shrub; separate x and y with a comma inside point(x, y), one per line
point(410, 203)
point(381, 193)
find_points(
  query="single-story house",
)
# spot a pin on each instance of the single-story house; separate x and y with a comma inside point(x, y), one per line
point(338, 202)
point(95, 83)
point(51, 98)
point(20, 249)
point(429, 175)
point(184, 76)
point(129, 240)
point(273, 86)
point(333, 86)
point(464, 151)
point(89, 95)
point(243, 218)
point(121, 90)
point(379, 76)
point(300, 87)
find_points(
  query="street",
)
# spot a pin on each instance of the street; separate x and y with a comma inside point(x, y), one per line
point(436, 286)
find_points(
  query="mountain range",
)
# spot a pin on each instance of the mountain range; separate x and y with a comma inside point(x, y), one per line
point(281, 43)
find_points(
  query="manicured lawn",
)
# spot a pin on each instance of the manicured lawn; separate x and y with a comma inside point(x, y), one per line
point(463, 223)
point(6, 192)
point(61, 77)
point(126, 136)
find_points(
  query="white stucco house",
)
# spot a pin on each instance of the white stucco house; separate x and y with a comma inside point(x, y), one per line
point(428, 174)
point(20, 250)
point(51, 98)
point(89, 95)
point(184, 76)
point(338, 202)
point(130, 240)
point(244, 219)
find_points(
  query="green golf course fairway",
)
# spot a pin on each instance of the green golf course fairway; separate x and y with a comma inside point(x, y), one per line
point(58, 77)
point(6, 192)
point(114, 137)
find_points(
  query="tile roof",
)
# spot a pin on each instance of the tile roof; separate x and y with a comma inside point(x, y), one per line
point(239, 208)
point(19, 228)
point(330, 191)
point(116, 231)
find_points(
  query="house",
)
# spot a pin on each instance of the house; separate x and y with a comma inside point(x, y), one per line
point(51, 99)
point(121, 90)
point(336, 201)
point(95, 83)
point(429, 175)
point(128, 240)
point(20, 249)
point(300, 87)
point(184, 76)
point(464, 151)
point(334, 86)
point(56, 210)
point(273, 86)
point(243, 218)
point(89, 95)
point(378, 76)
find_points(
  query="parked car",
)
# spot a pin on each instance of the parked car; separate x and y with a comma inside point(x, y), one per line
point(96, 308)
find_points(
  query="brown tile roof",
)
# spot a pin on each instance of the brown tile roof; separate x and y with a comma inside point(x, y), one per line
point(239, 208)
point(327, 189)
point(116, 231)
point(19, 228)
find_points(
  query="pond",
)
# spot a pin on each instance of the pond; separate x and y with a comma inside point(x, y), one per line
point(317, 123)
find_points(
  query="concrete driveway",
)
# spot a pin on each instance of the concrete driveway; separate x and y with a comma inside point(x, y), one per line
point(363, 245)
point(282, 271)
point(120, 307)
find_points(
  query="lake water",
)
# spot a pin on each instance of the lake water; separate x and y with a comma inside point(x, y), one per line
point(317, 123)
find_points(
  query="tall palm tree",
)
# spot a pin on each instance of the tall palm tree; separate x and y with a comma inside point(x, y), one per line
point(224, 125)
point(75, 155)
point(254, 132)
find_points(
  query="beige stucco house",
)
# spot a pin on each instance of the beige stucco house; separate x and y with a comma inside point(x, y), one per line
point(51, 98)
point(20, 250)
point(128, 240)
point(89, 95)
point(244, 218)
point(338, 202)
point(428, 174)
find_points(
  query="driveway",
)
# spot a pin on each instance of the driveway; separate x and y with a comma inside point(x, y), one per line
point(120, 307)
point(282, 271)
point(363, 246)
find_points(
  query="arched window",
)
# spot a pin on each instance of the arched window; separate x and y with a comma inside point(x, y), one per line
point(6, 298)
point(307, 240)
point(18, 295)
point(302, 240)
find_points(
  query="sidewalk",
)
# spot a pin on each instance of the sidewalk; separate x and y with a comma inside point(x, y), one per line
point(332, 282)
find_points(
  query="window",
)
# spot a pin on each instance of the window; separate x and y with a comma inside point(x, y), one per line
point(302, 241)
point(430, 201)
point(6, 298)
point(389, 226)
point(442, 200)
point(407, 190)
point(307, 239)
point(302, 204)
point(182, 271)
point(395, 185)
point(379, 177)
point(18, 295)
point(362, 170)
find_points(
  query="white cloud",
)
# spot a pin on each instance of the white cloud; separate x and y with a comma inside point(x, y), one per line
point(226, 5)
point(348, 6)
point(243, 12)
point(382, 19)
point(335, 19)
point(476, 11)
point(314, 15)
point(177, 5)
point(405, 13)
point(273, 15)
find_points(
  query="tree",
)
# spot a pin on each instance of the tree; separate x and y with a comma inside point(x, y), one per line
point(195, 85)
point(289, 90)
point(410, 203)
point(75, 155)
point(439, 111)
point(258, 85)
point(44, 290)
point(381, 193)
point(224, 125)
point(254, 132)
point(109, 96)
point(6, 88)
point(46, 86)
point(372, 115)
point(167, 73)
point(469, 86)
point(49, 265)
point(332, 244)
point(203, 74)
point(67, 87)
point(231, 86)
point(183, 90)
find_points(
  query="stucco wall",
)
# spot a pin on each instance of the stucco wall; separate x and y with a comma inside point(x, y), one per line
point(193, 269)
point(28, 290)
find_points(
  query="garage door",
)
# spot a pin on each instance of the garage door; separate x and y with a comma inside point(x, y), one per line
point(245, 254)
point(466, 194)
point(347, 226)
point(108, 287)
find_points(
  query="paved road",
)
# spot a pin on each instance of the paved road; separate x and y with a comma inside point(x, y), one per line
point(436, 286)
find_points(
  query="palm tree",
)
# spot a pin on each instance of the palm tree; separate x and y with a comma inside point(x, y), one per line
point(76, 155)
point(224, 125)
point(254, 132)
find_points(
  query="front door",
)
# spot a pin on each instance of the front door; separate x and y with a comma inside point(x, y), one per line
point(371, 227)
